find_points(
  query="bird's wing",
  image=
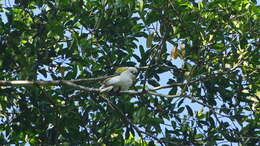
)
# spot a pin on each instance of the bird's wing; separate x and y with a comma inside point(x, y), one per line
point(106, 89)
point(111, 81)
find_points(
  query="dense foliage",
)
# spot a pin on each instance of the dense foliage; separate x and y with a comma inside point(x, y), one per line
point(200, 60)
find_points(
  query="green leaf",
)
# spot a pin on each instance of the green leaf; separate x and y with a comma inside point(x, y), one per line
point(212, 122)
point(43, 72)
point(139, 115)
point(189, 110)
point(153, 83)
point(180, 110)
point(180, 102)
point(142, 52)
point(200, 4)
point(173, 90)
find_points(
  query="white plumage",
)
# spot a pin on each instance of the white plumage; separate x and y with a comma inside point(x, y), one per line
point(121, 82)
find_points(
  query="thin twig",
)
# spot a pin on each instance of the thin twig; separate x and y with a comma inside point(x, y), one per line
point(114, 107)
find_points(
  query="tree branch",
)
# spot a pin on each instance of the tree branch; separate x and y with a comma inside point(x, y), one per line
point(205, 78)
point(72, 83)
point(80, 87)
point(50, 82)
point(97, 90)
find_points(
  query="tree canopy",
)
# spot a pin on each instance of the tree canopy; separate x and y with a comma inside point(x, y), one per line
point(198, 65)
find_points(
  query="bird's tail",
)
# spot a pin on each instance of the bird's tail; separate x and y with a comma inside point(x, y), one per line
point(105, 89)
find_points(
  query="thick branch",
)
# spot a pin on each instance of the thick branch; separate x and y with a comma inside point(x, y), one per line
point(96, 90)
point(50, 82)
point(73, 85)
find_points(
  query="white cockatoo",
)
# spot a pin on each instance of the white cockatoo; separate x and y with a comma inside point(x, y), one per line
point(121, 82)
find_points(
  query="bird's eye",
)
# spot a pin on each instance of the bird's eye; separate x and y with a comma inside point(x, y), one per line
point(133, 72)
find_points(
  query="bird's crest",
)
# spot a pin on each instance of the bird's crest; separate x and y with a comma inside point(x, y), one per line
point(121, 69)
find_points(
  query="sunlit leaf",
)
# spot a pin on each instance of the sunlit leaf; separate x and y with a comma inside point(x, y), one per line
point(174, 53)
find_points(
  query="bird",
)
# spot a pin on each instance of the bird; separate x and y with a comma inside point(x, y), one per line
point(120, 82)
